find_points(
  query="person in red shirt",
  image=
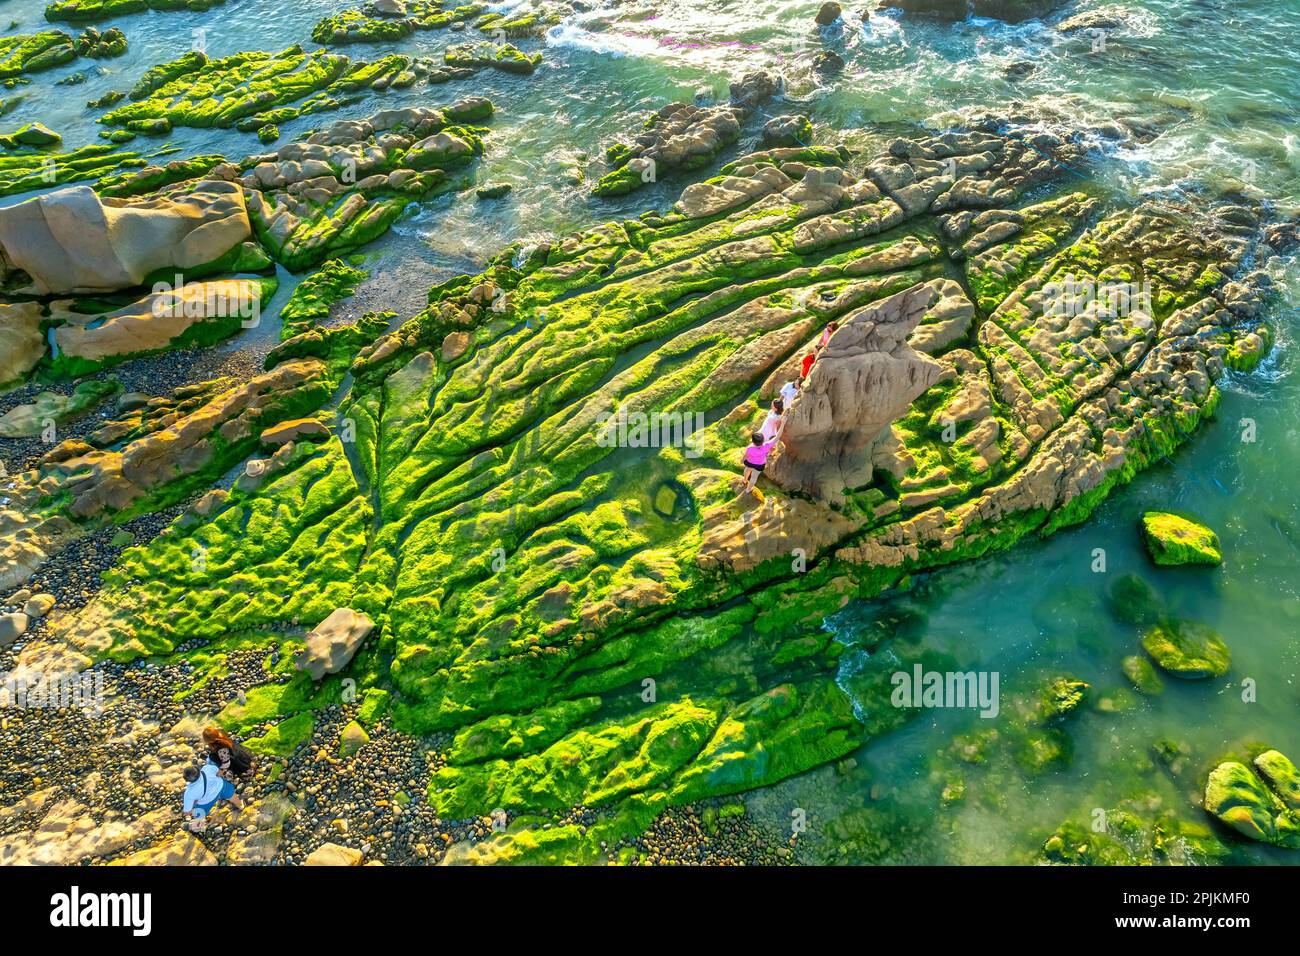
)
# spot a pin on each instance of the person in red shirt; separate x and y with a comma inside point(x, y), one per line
point(808, 363)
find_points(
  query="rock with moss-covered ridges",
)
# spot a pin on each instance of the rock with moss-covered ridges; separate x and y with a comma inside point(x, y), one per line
point(1244, 798)
point(684, 136)
point(32, 53)
point(506, 57)
point(1175, 540)
point(339, 188)
point(516, 554)
point(392, 20)
point(92, 11)
point(251, 90)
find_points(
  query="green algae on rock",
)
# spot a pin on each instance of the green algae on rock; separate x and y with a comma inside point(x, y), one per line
point(1142, 675)
point(91, 11)
point(514, 563)
point(52, 408)
point(254, 89)
point(505, 57)
point(31, 134)
point(1187, 649)
point(391, 20)
point(1134, 837)
point(682, 136)
point(1260, 805)
point(1174, 540)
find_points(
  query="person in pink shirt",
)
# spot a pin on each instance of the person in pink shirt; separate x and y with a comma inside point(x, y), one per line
point(826, 335)
point(755, 457)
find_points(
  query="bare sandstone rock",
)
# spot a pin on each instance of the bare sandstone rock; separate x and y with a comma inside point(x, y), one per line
point(864, 379)
point(332, 644)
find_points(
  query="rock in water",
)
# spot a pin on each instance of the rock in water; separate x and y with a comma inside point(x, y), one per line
point(1173, 540)
point(1187, 649)
point(1242, 801)
point(71, 240)
point(828, 14)
point(1012, 11)
point(1281, 775)
point(865, 378)
point(332, 644)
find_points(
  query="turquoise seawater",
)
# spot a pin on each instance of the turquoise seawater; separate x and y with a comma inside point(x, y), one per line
point(1220, 75)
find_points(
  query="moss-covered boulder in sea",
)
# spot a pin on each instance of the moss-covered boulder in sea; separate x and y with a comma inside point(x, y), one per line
point(1246, 802)
point(91, 11)
point(32, 53)
point(1175, 540)
point(32, 134)
point(506, 57)
point(1133, 601)
point(1142, 675)
point(1187, 649)
point(386, 20)
point(682, 136)
point(1132, 836)
point(1281, 775)
point(255, 89)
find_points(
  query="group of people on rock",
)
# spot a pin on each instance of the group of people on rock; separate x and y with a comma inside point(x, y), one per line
point(761, 442)
point(225, 763)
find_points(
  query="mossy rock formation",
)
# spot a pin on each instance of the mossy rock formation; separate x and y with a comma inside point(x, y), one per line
point(1187, 649)
point(1175, 540)
point(1259, 802)
point(534, 596)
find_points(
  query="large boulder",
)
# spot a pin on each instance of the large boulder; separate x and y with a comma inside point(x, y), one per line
point(865, 378)
point(1175, 540)
point(1244, 802)
point(156, 321)
point(1187, 649)
point(332, 644)
point(21, 341)
point(71, 240)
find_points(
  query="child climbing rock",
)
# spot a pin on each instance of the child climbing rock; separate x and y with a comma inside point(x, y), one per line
point(755, 457)
point(791, 389)
point(826, 336)
point(772, 424)
point(807, 364)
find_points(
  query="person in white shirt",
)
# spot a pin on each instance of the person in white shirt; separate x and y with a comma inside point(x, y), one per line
point(204, 788)
point(772, 424)
point(789, 390)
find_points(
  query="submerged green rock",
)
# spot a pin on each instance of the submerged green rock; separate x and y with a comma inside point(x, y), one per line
point(1246, 803)
point(1175, 540)
point(1187, 649)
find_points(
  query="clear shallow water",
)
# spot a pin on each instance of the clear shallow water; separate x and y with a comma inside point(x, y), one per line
point(1222, 74)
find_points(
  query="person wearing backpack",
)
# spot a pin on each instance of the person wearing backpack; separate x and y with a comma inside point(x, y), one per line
point(234, 761)
point(203, 790)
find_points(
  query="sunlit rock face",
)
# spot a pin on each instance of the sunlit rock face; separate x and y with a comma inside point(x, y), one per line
point(864, 379)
